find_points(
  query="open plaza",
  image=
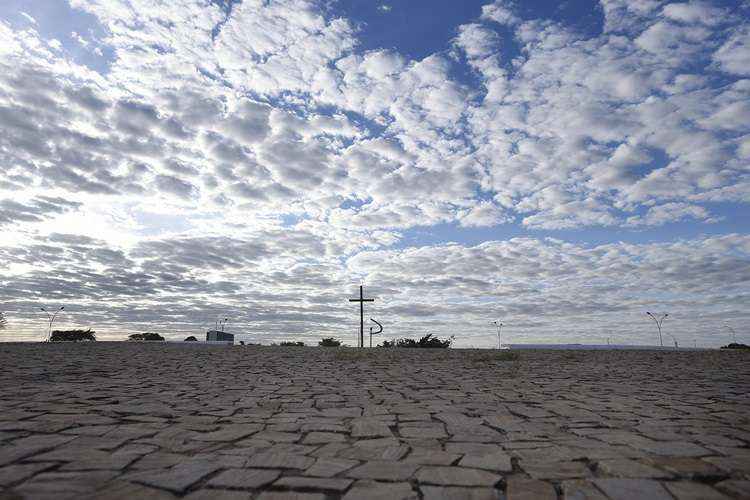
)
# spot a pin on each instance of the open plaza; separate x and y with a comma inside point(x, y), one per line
point(164, 420)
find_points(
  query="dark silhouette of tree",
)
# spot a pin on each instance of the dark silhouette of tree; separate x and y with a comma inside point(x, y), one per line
point(191, 339)
point(329, 342)
point(735, 345)
point(426, 342)
point(292, 344)
point(3, 321)
point(146, 336)
point(73, 336)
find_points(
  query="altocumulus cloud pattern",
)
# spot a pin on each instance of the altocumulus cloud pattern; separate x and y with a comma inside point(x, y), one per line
point(166, 163)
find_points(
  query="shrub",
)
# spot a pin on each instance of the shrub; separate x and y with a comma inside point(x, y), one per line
point(329, 342)
point(146, 336)
point(428, 341)
point(191, 339)
point(3, 321)
point(292, 344)
point(734, 345)
point(73, 336)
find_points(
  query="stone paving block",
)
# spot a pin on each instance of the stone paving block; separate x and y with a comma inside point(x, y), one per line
point(11, 474)
point(629, 489)
point(375, 490)
point(272, 460)
point(229, 433)
point(63, 485)
point(387, 471)
point(579, 489)
point(122, 490)
point(278, 437)
point(522, 488)
point(214, 494)
point(687, 467)
point(688, 490)
point(426, 456)
point(735, 487)
point(313, 483)
point(369, 428)
point(556, 470)
point(370, 454)
point(454, 493)
point(499, 462)
point(290, 495)
point(323, 438)
point(629, 469)
point(244, 478)
point(179, 478)
point(427, 430)
point(329, 467)
point(456, 476)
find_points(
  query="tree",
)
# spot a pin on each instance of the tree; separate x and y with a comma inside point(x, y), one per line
point(191, 339)
point(146, 336)
point(426, 342)
point(329, 342)
point(3, 321)
point(73, 336)
point(292, 344)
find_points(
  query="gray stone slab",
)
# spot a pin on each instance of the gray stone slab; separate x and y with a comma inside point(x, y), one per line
point(179, 478)
point(628, 489)
point(382, 470)
point(456, 476)
point(522, 488)
point(313, 483)
point(244, 478)
point(376, 490)
point(329, 467)
point(499, 462)
point(454, 493)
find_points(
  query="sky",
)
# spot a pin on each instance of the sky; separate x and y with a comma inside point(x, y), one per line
point(561, 167)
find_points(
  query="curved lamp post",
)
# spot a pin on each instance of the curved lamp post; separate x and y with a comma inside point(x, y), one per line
point(658, 324)
point(51, 318)
point(499, 326)
point(734, 334)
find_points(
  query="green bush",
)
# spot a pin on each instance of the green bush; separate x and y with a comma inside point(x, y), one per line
point(146, 336)
point(736, 346)
point(329, 342)
point(191, 339)
point(427, 342)
point(73, 336)
point(292, 344)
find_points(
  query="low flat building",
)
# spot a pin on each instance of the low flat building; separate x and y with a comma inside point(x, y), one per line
point(219, 336)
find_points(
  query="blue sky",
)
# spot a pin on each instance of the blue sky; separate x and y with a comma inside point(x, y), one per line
point(561, 166)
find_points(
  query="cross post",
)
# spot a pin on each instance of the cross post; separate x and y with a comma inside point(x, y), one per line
point(361, 301)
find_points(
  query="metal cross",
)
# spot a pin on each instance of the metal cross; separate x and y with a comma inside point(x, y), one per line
point(361, 301)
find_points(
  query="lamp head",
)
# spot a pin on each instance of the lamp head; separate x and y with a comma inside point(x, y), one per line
point(62, 307)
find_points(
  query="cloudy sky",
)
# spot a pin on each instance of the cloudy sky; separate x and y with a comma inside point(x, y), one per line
point(562, 167)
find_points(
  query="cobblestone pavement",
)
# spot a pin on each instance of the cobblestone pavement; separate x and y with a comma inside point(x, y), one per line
point(119, 420)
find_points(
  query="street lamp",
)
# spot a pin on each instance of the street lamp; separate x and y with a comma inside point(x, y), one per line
point(51, 318)
point(499, 326)
point(734, 334)
point(658, 324)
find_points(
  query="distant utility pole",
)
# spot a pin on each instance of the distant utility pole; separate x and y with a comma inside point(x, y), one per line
point(734, 335)
point(499, 326)
point(658, 324)
point(51, 318)
point(220, 323)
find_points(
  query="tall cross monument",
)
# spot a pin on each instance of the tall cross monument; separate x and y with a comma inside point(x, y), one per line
point(361, 301)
